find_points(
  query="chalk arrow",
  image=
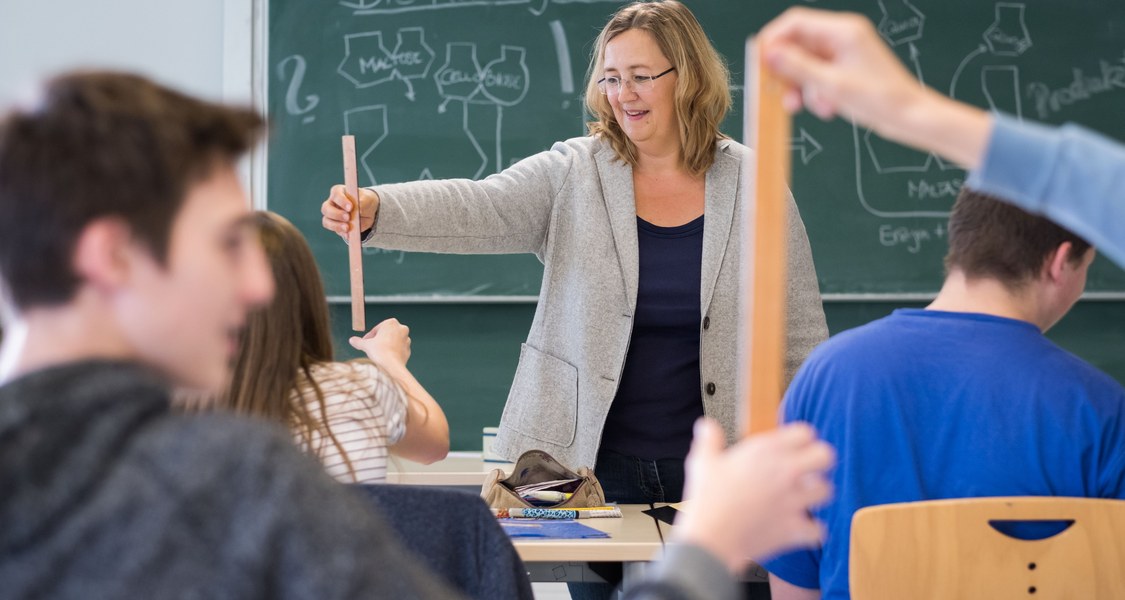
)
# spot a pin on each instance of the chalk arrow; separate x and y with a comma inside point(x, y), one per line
point(807, 145)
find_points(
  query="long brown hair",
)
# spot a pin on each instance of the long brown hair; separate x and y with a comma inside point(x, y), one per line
point(285, 340)
point(702, 94)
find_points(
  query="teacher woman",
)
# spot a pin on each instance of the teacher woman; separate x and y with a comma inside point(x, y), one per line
point(638, 226)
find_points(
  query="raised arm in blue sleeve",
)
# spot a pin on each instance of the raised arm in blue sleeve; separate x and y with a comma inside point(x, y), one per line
point(1069, 174)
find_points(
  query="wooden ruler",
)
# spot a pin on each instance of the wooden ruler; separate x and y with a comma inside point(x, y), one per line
point(766, 128)
point(355, 249)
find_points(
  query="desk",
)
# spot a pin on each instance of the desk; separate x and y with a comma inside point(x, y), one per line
point(634, 541)
point(460, 469)
point(634, 538)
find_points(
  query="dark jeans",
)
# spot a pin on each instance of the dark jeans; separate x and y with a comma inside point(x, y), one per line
point(629, 480)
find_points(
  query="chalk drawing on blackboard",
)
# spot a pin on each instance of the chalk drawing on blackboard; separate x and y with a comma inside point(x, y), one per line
point(503, 82)
point(1005, 39)
point(473, 140)
point(808, 146)
point(543, 7)
point(367, 62)
point(390, 7)
point(901, 23)
point(293, 104)
point(918, 185)
point(399, 256)
point(926, 180)
point(889, 157)
point(367, 123)
point(562, 51)
point(981, 49)
point(1008, 35)
point(1001, 85)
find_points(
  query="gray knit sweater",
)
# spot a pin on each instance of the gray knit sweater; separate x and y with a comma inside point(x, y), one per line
point(106, 494)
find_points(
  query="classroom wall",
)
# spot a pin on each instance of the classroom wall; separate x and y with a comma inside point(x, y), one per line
point(178, 43)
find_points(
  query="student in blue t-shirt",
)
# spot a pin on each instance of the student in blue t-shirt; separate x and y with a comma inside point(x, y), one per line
point(964, 398)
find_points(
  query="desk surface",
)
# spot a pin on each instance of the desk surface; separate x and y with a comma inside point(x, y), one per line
point(457, 469)
point(633, 537)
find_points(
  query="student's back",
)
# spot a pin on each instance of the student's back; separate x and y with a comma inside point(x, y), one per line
point(925, 405)
point(962, 399)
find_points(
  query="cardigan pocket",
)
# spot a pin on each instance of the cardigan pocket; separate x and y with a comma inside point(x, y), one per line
point(543, 402)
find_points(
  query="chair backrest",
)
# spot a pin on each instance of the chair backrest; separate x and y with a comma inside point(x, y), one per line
point(952, 549)
point(453, 533)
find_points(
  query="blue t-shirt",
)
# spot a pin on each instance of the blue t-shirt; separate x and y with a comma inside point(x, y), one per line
point(927, 405)
point(659, 397)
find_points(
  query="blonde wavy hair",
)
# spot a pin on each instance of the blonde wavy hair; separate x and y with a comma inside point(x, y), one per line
point(702, 94)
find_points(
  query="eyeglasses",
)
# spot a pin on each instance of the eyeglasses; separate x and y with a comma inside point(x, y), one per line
point(612, 84)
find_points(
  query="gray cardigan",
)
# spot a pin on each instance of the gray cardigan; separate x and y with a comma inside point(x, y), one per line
point(573, 207)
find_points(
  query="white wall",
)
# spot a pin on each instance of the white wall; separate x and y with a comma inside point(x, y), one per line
point(202, 47)
point(176, 42)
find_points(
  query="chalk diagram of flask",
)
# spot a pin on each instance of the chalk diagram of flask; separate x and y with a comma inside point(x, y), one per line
point(882, 164)
point(501, 83)
point(367, 62)
point(989, 75)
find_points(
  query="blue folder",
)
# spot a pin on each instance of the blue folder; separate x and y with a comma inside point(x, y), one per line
point(549, 529)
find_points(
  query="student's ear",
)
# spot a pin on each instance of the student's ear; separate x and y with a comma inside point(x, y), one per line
point(1059, 262)
point(102, 253)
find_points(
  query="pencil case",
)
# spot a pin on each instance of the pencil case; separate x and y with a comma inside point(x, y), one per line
point(534, 470)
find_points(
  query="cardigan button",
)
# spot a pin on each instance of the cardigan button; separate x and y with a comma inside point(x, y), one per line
point(706, 322)
point(711, 388)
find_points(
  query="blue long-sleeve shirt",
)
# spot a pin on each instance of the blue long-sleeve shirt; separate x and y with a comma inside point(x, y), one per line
point(1069, 174)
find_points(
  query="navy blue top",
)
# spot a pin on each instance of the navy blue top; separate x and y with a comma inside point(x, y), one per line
point(659, 399)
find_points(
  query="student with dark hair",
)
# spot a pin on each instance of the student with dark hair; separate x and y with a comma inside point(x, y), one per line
point(347, 414)
point(128, 265)
point(964, 398)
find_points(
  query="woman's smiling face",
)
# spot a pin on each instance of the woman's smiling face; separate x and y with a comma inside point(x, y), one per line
point(648, 117)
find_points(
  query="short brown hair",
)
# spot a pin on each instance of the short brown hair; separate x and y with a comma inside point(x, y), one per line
point(702, 94)
point(102, 144)
point(992, 238)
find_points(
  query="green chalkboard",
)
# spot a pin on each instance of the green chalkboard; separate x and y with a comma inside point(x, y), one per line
point(466, 355)
point(462, 88)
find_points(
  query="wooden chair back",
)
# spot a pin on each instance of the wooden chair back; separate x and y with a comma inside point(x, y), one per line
point(951, 549)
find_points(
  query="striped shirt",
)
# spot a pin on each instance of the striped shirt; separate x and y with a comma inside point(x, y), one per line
point(365, 410)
